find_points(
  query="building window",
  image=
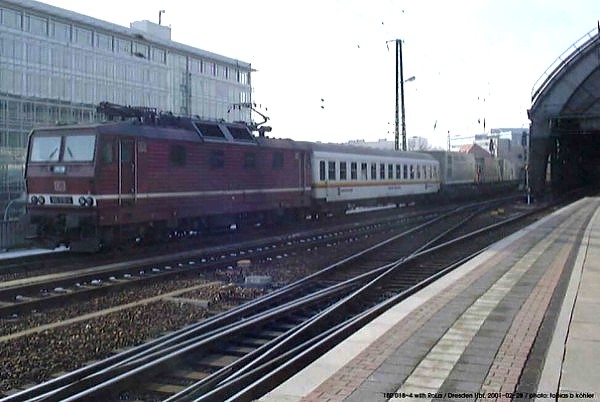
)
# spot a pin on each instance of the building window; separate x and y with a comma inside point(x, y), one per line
point(177, 155)
point(140, 50)
point(217, 159)
point(250, 160)
point(11, 18)
point(104, 42)
point(37, 25)
point(277, 160)
point(82, 36)
point(60, 31)
point(159, 55)
point(331, 170)
point(343, 171)
point(122, 46)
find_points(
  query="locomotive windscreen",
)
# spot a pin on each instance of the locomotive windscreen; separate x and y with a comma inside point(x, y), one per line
point(69, 148)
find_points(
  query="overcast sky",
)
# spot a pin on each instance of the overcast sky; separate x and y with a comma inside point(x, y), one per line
point(472, 60)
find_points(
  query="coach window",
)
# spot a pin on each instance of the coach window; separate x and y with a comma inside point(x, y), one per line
point(343, 172)
point(435, 172)
point(277, 160)
point(250, 160)
point(382, 171)
point(398, 172)
point(177, 155)
point(405, 172)
point(418, 171)
point(217, 159)
point(322, 170)
point(390, 171)
point(353, 171)
point(373, 171)
point(363, 171)
point(331, 170)
point(412, 172)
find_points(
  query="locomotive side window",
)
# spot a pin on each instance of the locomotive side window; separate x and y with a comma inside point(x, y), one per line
point(45, 149)
point(177, 155)
point(249, 160)
point(322, 170)
point(277, 160)
point(331, 170)
point(126, 152)
point(353, 171)
point(217, 159)
point(79, 148)
point(107, 153)
point(343, 171)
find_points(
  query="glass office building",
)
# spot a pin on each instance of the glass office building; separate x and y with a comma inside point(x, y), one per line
point(57, 65)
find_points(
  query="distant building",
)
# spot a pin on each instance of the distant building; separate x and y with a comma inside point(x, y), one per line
point(57, 65)
point(412, 144)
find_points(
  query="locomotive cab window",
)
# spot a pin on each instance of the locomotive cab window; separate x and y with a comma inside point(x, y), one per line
point(79, 148)
point(177, 155)
point(126, 152)
point(217, 159)
point(45, 149)
point(106, 155)
point(277, 160)
point(250, 160)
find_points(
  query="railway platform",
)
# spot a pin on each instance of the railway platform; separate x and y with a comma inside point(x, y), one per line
point(517, 322)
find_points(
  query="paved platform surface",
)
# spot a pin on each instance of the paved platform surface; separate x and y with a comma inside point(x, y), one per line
point(521, 321)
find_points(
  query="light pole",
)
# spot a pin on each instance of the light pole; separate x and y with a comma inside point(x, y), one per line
point(400, 96)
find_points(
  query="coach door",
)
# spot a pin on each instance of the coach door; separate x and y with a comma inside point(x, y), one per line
point(127, 173)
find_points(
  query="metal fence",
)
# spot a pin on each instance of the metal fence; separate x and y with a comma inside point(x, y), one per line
point(13, 234)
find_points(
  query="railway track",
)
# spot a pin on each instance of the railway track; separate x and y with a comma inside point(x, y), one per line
point(21, 296)
point(224, 354)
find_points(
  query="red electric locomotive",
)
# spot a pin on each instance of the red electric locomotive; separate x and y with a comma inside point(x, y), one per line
point(96, 185)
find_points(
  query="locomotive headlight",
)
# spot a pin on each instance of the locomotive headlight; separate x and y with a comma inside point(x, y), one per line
point(82, 201)
point(41, 200)
point(34, 199)
point(89, 201)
